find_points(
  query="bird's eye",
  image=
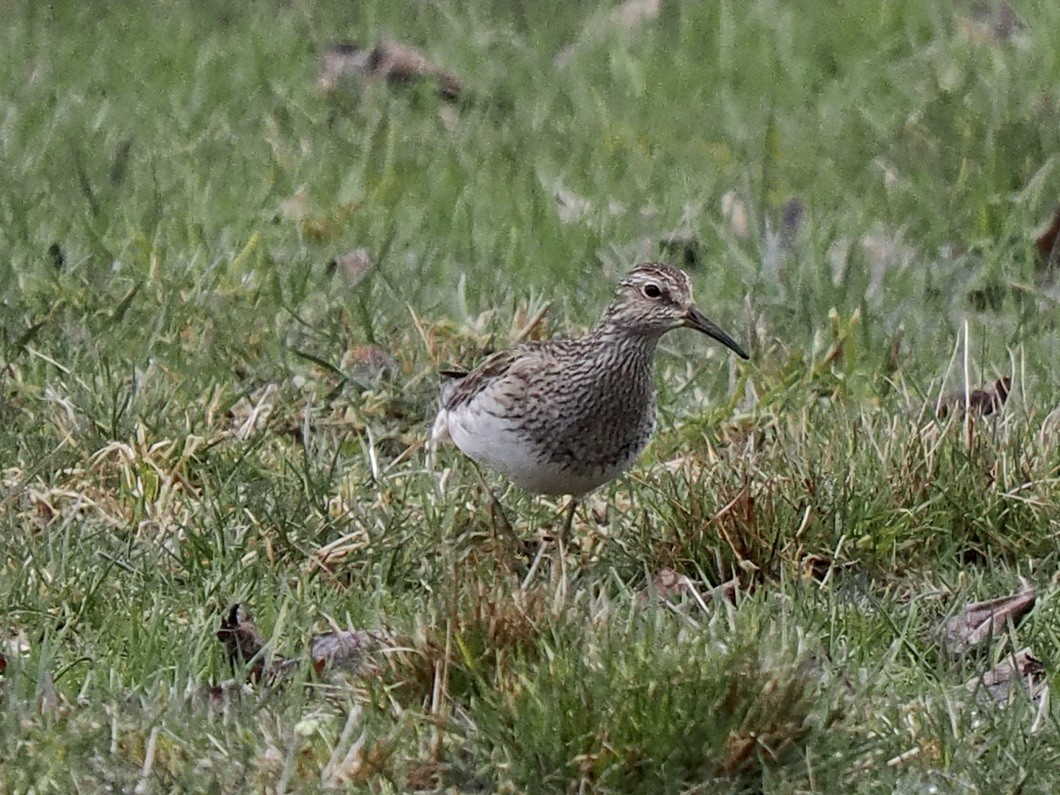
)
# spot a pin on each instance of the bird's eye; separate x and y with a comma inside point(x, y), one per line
point(651, 290)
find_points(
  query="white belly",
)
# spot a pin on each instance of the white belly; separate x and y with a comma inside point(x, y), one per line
point(491, 442)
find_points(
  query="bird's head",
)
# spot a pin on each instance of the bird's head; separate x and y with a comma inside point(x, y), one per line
point(655, 298)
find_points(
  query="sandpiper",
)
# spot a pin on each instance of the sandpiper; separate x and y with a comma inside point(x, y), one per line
point(568, 415)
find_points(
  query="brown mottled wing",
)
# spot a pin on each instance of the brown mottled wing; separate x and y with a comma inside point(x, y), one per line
point(462, 388)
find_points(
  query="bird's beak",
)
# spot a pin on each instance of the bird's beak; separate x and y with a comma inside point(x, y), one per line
point(700, 322)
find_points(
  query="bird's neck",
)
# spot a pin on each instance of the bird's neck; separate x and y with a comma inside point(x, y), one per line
point(616, 326)
point(624, 345)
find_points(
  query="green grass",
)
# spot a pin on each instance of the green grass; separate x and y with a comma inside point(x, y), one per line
point(183, 425)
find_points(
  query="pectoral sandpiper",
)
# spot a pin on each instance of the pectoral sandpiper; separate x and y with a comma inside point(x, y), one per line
point(568, 415)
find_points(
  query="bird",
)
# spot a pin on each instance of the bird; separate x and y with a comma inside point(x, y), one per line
point(568, 415)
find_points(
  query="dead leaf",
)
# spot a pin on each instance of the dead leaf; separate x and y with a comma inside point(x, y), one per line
point(1019, 669)
point(337, 650)
point(1046, 243)
point(668, 584)
point(354, 265)
point(402, 64)
point(983, 402)
point(251, 413)
point(981, 621)
point(244, 644)
point(570, 206)
point(15, 646)
point(820, 567)
point(241, 638)
point(367, 361)
point(341, 61)
point(342, 650)
point(296, 206)
point(396, 63)
point(989, 21)
point(425, 776)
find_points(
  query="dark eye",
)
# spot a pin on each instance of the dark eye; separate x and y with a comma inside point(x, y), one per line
point(652, 291)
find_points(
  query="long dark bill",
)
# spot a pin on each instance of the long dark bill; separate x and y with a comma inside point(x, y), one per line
point(700, 322)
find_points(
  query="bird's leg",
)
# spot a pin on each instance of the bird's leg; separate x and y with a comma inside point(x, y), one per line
point(561, 552)
point(571, 507)
point(495, 505)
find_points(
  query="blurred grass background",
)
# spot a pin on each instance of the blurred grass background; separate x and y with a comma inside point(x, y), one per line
point(186, 423)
